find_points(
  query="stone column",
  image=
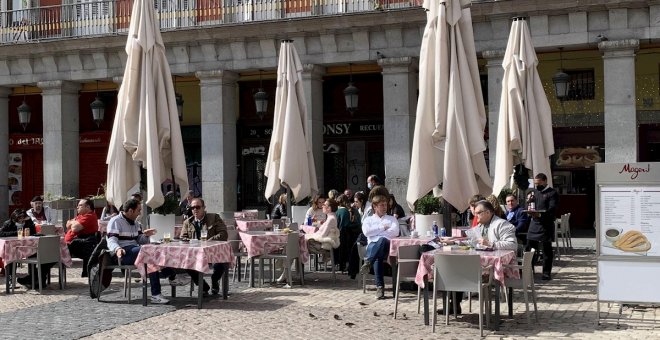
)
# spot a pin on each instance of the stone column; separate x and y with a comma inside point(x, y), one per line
point(219, 109)
point(400, 82)
point(313, 87)
point(4, 152)
point(61, 146)
point(620, 111)
point(495, 75)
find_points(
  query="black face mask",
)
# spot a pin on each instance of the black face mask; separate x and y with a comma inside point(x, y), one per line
point(540, 187)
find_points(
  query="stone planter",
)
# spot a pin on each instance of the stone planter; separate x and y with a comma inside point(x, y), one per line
point(423, 223)
point(61, 204)
point(99, 203)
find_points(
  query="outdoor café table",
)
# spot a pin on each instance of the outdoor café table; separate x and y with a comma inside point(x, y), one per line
point(14, 248)
point(496, 258)
point(259, 243)
point(193, 255)
point(254, 225)
point(245, 215)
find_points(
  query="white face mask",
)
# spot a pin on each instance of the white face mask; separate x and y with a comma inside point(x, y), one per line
point(19, 225)
point(370, 186)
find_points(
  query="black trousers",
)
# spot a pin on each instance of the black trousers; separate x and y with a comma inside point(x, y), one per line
point(548, 254)
point(219, 269)
point(82, 248)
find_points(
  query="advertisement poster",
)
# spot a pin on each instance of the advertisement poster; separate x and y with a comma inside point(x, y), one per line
point(630, 220)
point(15, 178)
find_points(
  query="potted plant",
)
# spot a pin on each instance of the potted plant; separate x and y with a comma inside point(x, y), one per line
point(59, 202)
point(99, 198)
point(163, 217)
point(427, 209)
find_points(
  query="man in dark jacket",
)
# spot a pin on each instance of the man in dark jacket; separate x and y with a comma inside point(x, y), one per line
point(215, 229)
point(542, 226)
point(516, 216)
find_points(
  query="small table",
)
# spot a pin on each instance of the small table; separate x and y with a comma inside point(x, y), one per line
point(14, 248)
point(254, 225)
point(496, 258)
point(256, 244)
point(195, 256)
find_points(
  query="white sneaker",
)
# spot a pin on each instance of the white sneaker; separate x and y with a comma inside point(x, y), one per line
point(159, 299)
point(179, 282)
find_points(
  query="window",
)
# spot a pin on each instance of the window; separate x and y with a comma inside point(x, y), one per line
point(582, 84)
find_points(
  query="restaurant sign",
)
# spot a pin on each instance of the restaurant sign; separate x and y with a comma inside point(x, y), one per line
point(352, 129)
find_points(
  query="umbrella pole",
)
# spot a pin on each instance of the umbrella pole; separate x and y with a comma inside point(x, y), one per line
point(289, 209)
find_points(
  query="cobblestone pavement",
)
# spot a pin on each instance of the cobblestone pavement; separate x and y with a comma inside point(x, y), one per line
point(567, 309)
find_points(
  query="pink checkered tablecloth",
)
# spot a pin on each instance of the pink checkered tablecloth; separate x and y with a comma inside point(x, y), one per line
point(194, 255)
point(308, 229)
point(254, 225)
point(14, 248)
point(496, 258)
point(397, 242)
point(260, 243)
point(245, 215)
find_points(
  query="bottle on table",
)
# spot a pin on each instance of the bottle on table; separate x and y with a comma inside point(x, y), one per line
point(443, 231)
point(434, 227)
point(531, 201)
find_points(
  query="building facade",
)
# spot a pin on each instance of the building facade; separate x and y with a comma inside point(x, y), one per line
point(58, 57)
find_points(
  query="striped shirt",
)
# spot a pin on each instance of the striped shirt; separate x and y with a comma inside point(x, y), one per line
point(123, 232)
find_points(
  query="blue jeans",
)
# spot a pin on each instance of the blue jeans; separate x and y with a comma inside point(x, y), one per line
point(154, 278)
point(376, 254)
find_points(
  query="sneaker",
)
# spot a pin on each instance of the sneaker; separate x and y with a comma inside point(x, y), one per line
point(366, 268)
point(178, 282)
point(380, 293)
point(159, 299)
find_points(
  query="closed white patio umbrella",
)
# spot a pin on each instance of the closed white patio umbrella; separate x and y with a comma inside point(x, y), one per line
point(146, 129)
point(449, 141)
point(290, 160)
point(524, 133)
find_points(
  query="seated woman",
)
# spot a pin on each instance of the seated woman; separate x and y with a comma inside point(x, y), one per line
point(279, 210)
point(20, 219)
point(394, 208)
point(109, 211)
point(315, 212)
point(326, 237)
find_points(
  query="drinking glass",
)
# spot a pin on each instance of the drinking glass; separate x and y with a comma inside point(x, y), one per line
point(167, 238)
point(203, 235)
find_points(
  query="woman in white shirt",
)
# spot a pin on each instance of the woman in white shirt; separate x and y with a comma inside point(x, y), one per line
point(316, 210)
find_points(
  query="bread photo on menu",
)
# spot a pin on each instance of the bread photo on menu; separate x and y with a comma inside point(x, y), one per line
point(633, 241)
point(578, 157)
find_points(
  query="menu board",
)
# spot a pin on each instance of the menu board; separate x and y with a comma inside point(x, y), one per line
point(630, 220)
point(15, 178)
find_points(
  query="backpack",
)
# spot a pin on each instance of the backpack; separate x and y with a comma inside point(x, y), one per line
point(99, 255)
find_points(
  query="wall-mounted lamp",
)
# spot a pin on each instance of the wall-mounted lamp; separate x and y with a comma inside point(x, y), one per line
point(24, 112)
point(561, 80)
point(98, 108)
point(351, 93)
point(261, 99)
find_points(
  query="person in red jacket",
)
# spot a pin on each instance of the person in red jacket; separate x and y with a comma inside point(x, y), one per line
point(81, 235)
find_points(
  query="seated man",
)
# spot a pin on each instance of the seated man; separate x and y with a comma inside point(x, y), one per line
point(38, 213)
point(216, 230)
point(125, 235)
point(496, 233)
point(379, 228)
point(516, 216)
point(81, 236)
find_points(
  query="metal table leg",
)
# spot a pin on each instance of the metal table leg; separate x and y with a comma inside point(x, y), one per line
point(225, 281)
point(509, 302)
point(497, 307)
point(144, 286)
point(200, 289)
point(252, 272)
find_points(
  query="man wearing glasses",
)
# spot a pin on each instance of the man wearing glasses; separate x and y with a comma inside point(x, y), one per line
point(379, 228)
point(215, 229)
point(496, 233)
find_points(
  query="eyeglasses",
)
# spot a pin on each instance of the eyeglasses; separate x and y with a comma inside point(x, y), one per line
point(195, 207)
point(480, 212)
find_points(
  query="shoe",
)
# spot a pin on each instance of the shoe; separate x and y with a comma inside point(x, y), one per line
point(546, 277)
point(25, 282)
point(159, 299)
point(215, 288)
point(205, 294)
point(451, 311)
point(178, 282)
point(366, 268)
point(380, 293)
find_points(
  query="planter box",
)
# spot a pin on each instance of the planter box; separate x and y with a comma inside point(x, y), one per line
point(99, 203)
point(62, 204)
point(423, 223)
point(163, 224)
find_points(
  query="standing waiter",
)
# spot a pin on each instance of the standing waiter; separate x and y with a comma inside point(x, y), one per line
point(541, 230)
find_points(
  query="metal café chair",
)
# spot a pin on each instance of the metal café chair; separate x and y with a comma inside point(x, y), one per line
point(107, 261)
point(456, 273)
point(407, 264)
point(291, 253)
point(48, 251)
point(525, 282)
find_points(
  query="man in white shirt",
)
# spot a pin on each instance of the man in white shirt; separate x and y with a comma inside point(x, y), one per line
point(379, 228)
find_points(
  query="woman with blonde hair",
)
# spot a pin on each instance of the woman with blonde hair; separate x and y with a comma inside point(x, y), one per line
point(315, 212)
point(279, 210)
